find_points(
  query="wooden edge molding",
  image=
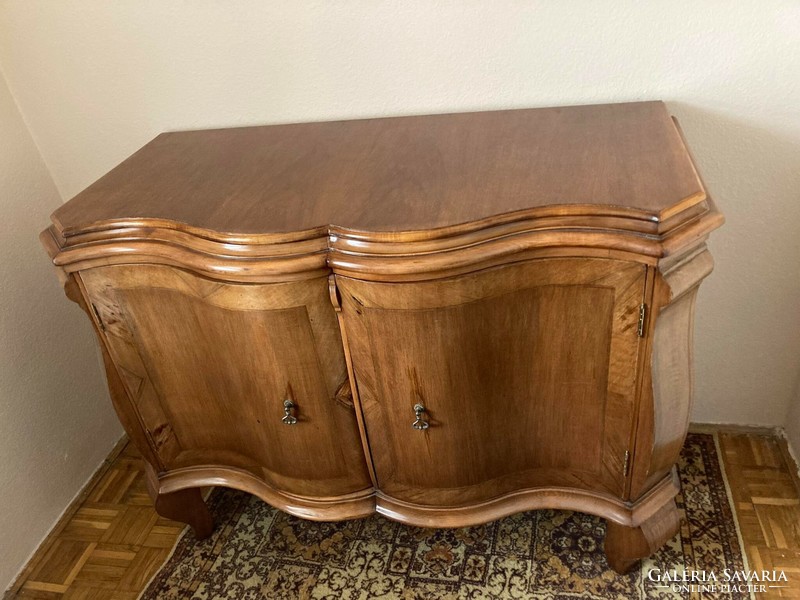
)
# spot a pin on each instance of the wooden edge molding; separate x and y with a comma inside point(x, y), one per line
point(102, 229)
point(368, 501)
point(351, 506)
point(378, 255)
point(688, 274)
point(607, 507)
point(639, 220)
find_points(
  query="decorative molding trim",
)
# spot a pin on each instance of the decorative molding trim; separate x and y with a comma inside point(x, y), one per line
point(350, 506)
point(415, 255)
point(601, 505)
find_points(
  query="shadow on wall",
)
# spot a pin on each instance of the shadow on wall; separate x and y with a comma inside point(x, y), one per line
point(748, 321)
point(56, 423)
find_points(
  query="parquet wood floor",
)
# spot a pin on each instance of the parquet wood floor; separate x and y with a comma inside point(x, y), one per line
point(766, 495)
point(110, 545)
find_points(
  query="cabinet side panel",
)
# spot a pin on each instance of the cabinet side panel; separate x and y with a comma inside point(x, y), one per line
point(672, 380)
point(666, 402)
point(123, 403)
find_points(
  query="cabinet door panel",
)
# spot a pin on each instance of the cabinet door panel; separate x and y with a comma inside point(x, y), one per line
point(527, 373)
point(209, 366)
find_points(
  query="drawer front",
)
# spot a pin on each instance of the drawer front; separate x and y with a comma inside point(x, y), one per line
point(508, 379)
point(234, 375)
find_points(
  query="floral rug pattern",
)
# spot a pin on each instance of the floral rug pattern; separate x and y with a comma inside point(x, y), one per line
point(259, 552)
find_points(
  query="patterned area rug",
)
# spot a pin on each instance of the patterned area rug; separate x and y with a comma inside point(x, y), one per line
point(259, 552)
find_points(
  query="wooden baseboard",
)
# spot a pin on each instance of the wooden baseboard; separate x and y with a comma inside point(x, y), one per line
point(731, 428)
point(794, 466)
point(65, 517)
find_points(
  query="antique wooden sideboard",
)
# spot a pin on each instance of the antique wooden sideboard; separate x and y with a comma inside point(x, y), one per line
point(445, 319)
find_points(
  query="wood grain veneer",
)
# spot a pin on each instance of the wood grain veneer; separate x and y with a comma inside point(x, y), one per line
point(276, 306)
point(425, 172)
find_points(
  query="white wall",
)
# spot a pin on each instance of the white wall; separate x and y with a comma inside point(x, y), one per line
point(56, 422)
point(98, 79)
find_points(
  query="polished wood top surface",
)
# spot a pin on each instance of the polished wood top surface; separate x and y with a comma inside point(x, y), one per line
point(400, 174)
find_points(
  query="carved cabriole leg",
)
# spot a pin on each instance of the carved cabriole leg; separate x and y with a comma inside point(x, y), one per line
point(626, 546)
point(186, 506)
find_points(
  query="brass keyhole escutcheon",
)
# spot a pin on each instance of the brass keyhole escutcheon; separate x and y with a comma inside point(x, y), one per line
point(288, 417)
point(419, 422)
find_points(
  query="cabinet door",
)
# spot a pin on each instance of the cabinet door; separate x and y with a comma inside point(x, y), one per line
point(527, 373)
point(209, 366)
